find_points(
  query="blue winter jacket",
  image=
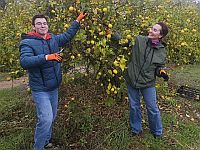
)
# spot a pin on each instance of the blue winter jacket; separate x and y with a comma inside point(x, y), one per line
point(44, 75)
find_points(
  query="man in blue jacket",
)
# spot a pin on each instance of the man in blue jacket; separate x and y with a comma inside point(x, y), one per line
point(39, 54)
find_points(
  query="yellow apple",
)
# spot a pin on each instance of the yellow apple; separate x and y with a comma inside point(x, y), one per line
point(105, 9)
point(115, 71)
point(66, 26)
point(109, 36)
point(71, 8)
point(92, 42)
point(128, 36)
point(110, 25)
point(72, 56)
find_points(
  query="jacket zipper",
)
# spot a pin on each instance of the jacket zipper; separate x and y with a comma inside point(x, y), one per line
point(52, 62)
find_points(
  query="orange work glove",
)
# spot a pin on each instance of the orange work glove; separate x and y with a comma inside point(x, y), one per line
point(54, 56)
point(81, 16)
point(164, 75)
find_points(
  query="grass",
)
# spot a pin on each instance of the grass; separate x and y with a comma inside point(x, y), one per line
point(119, 137)
point(16, 141)
point(187, 75)
point(9, 99)
point(86, 121)
point(14, 116)
point(110, 132)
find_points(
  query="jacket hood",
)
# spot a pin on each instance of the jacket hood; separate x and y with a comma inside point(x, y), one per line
point(34, 35)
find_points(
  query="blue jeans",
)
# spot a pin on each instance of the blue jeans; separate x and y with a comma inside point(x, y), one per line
point(149, 95)
point(46, 106)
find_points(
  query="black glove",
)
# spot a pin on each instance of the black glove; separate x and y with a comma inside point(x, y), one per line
point(164, 75)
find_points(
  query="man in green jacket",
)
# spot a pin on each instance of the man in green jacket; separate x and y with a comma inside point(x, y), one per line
point(146, 62)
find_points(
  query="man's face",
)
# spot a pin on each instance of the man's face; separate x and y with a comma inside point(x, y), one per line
point(154, 32)
point(41, 26)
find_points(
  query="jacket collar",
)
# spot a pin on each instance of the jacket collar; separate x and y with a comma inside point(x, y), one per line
point(48, 36)
point(157, 43)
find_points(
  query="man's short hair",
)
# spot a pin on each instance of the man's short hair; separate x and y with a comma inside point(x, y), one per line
point(38, 16)
point(164, 29)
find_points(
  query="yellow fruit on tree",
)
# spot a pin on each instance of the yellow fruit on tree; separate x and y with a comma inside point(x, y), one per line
point(115, 71)
point(120, 78)
point(110, 25)
point(116, 63)
point(92, 42)
point(128, 36)
point(126, 41)
point(194, 30)
point(105, 9)
point(71, 8)
point(109, 36)
point(101, 33)
point(53, 11)
point(66, 26)
point(108, 92)
point(72, 56)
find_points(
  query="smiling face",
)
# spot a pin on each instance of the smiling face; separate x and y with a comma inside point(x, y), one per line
point(41, 26)
point(155, 32)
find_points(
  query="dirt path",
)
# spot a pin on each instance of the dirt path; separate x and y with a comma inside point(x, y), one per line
point(24, 80)
point(16, 82)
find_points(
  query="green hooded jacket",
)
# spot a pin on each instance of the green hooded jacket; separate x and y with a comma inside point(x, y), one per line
point(144, 62)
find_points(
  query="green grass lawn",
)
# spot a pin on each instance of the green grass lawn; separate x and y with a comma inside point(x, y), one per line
point(16, 113)
point(187, 75)
point(86, 121)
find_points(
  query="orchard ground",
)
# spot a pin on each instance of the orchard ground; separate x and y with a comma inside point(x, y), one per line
point(87, 119)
